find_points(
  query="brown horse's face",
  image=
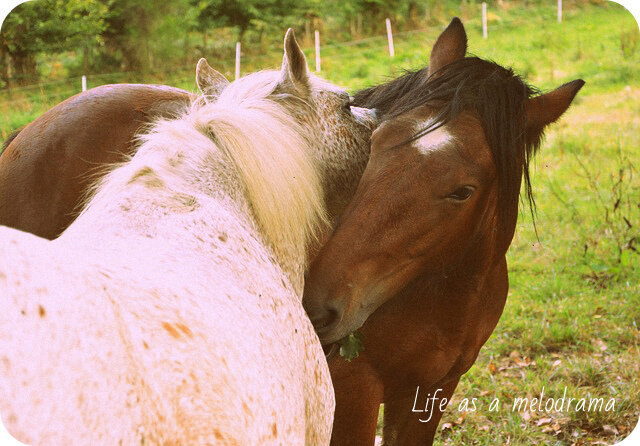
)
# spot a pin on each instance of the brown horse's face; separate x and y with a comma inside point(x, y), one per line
point(418, 207)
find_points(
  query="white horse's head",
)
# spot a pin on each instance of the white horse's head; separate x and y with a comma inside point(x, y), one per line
point(322, 153)
point(338, 134)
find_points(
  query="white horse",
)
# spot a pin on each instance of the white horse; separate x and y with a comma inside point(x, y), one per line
point(169, 312)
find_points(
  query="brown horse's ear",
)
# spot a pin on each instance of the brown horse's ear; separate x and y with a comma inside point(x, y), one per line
point(450, 46)
point(210, 82)
point(547, 108)
point(294, 72)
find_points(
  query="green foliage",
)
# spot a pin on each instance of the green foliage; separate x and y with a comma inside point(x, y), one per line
point(141, 35)
point(351, 346)
point(259, 15)
point(48, 26)
point(53, 25)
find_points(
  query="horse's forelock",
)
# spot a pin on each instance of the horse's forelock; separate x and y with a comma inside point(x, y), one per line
point(493, 93)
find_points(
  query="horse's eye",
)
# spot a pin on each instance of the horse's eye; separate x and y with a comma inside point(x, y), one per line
point(462, 193)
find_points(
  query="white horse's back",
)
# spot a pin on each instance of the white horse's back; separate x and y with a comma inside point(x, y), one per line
point(58, 346)
point(126, 356)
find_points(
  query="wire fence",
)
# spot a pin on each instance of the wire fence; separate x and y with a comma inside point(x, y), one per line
point(39, 97)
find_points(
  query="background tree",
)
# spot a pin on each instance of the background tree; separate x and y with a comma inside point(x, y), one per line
point(50, 26)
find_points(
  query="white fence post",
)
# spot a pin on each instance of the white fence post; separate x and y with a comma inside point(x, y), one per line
point(559, 11)
point(317, 51)
point(485, 34)
point(84, 83)
point(237, 60)
point(390, 38)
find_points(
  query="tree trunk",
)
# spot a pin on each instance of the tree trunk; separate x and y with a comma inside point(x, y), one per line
point(307, 32)
point(85, 59)
point(186, 48)
point(6, 66)
point(25, 68)
point(413, 14)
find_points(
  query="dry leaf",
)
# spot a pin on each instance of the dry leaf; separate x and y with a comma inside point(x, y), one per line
point(543, 421)
point(601, 345)
point(461, 418)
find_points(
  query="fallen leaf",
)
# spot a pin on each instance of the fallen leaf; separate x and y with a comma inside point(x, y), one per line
point(601, 345)
point(543, 421)
point(461, 418)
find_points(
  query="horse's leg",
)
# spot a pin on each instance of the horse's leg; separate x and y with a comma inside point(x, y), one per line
point(402, 427)
point(358, 396)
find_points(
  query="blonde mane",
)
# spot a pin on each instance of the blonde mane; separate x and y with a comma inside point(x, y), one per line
point(271, 153)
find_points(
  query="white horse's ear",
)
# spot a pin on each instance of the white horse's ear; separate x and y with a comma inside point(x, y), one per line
point(450, 46)
point(210, 82)
point(295, 71)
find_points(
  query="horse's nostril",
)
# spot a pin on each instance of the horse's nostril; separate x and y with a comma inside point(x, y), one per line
point(326, 320)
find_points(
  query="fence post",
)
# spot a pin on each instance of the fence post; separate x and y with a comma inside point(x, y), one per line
point(84, 83)
point(485, 34)
point(317, 33)
point(237, 60)
point(390, 38)
point(559, 11)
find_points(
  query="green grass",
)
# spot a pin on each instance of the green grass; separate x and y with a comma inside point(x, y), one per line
point(573, 313)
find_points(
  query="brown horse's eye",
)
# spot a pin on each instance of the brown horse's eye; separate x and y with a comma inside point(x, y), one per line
point(462, 193)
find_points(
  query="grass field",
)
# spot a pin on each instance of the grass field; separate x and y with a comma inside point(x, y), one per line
point(573, 313)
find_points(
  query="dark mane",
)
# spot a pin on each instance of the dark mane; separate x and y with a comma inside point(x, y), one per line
point(10, 138)
point(493, 93)
point(383, 97)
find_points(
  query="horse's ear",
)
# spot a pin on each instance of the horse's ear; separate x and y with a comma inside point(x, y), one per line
point(295, 71)
point(450, 46)
point(547, 108)
point(210, 82)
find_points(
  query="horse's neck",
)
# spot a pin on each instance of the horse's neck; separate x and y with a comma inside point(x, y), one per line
point(148, 199)
point(340, 177)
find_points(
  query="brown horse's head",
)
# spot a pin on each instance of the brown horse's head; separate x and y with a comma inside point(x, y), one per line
point(439, 195)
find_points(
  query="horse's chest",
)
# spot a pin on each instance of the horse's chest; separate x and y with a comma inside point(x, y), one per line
point(426, 344)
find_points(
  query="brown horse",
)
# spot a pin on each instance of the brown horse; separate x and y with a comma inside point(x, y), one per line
point(47, 167)
point(417, 261)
